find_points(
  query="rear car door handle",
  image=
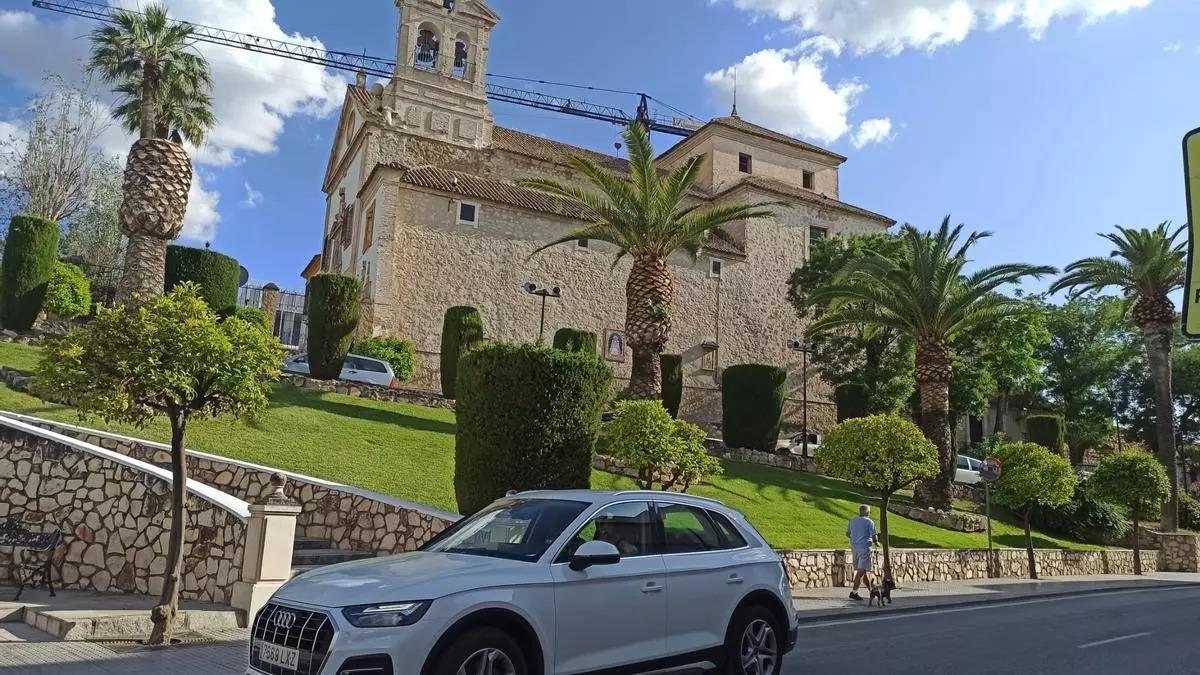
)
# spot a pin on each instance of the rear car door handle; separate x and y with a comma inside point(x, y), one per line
point(652, 587)
point(734, 579)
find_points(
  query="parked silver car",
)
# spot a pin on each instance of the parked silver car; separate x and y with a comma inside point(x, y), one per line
point(356, 368)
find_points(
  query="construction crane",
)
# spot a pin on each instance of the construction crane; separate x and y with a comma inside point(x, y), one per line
point(683, 125)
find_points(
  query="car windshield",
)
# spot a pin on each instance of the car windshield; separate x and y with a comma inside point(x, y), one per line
point(515, 529)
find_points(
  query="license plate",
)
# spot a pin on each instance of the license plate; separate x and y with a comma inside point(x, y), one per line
point(278, 655)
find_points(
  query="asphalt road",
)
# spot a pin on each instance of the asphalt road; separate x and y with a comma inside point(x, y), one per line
point(1142, 631)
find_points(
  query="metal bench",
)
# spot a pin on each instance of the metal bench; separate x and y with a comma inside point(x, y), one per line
point(33, 555)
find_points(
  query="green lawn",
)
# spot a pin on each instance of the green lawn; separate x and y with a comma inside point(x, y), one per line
point(408, 451)
point(21, 357)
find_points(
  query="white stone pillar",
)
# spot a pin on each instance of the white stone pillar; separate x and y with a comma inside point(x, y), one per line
point(267, 560)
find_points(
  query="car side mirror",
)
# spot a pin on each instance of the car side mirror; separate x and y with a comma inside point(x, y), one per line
point(595, 553)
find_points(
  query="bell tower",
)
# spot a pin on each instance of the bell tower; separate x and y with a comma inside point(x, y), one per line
point(438, 89)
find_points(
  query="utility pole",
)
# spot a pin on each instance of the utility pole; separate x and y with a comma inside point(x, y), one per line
point(555, 292)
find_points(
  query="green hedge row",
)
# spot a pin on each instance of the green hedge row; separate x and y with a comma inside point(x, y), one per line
point(399, 353)
point(752, 397)
point(572, 340)
point(527, 419)
point(1048, 431)
point(30, 257)
point(335, 302)
point(462, 331)
point(214, 273)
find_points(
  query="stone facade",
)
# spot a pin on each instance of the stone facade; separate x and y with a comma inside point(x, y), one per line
point(115, 517)
point(948, 520)
point(1177, 552)
point(351, 519)
point(402, 233)
point(821, 569)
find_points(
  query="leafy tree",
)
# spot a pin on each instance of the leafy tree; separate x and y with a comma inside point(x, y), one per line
point(25, 272)
point(930, 299)
point(972, 384)
point(662, 450)
point(1146, 265)
point(173, 358)
point(1089, 346)
point(883, 452)
point(69, 293)
point(1009, 352)
point(399, 353)
point(1136, 481)
point(646, 215)
point(1033, 477)
point(878, 359)
point(93, 237)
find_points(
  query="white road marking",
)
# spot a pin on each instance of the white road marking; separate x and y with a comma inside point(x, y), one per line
point(1097, 643)
point(975, 608)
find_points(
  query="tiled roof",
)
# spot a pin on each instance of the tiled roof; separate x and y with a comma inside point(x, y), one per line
point(361, 95)
point(491, 190)
point(788, 190)
point(762, 132)
point(550, 151)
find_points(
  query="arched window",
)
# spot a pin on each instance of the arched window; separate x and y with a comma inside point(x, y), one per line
point(461, 53)
point(428, 46)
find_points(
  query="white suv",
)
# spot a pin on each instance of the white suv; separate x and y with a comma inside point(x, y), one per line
point(540, 583)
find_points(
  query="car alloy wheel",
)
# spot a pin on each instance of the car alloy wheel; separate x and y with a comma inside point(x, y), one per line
point(487, 662)
point(759, 648)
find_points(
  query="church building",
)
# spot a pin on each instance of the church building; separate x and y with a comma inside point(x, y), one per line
point(422, 205)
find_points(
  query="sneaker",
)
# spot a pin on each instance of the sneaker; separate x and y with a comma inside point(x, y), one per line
point(855, 596)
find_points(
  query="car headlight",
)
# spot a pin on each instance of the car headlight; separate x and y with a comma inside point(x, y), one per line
point(386, 615)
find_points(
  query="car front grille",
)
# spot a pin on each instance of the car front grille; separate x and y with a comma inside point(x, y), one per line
point(308, 632)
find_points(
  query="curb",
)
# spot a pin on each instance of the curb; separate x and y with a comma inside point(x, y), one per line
point(891, 610)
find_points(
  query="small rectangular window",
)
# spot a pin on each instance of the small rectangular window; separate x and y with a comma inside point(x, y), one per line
point(468, 214)
point(714, 268)
point(816, 234)
point(583, 243)
point(369, 229)
point(745, 163)
point(809, 180)
point(708, 361)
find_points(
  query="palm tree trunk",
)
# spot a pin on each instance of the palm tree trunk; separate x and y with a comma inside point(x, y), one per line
point(1029, 545)
point(933, 381)
point(145, 265)
point(1157, 337)
point(1001, 411)
point(148, 112)
point(168, 603)
point(647, 324)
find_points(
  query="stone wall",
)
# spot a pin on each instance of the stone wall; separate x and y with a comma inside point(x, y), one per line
point(371, 391)
point(1177, 552)
point(819, 569)
point(958, 521)
point(351, 519)
point(114, 514)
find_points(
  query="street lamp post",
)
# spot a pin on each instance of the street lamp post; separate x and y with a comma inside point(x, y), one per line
point(533, 289)
point(805, 348)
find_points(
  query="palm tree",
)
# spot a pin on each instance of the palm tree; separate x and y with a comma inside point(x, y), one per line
point(1147, 265)
point(645, 215)
point(927, 297)
point(150, 61)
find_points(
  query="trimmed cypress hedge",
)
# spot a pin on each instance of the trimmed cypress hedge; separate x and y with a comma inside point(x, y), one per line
point(572, 340)
point(335, 302)
point(672, 382)
point(851, 400)
point(527, 419)
point(1047, 431)
point(30, 256)
point(462, 331)
point(752, 397)
point(214, 273)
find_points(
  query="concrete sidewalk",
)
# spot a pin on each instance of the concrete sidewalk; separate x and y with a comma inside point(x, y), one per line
point(820, 604)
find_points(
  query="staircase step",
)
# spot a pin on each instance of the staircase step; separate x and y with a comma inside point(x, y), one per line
point(326, 556)
point(309, 543)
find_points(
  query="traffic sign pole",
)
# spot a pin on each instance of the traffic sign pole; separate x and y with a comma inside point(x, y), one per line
point(1191, 289)
point(990, 472)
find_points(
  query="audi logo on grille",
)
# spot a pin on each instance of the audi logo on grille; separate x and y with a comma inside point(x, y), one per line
point(283, 620)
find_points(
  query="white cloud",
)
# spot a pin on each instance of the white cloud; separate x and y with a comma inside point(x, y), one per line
point(253, 197)
point(1172, 47)
point(872, 131)
point(891, 26)
point(202, 217)
point(786, 90)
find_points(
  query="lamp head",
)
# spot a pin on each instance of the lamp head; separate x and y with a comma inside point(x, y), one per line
point(530, 287)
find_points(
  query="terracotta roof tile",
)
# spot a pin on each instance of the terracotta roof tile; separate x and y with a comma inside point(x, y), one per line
point(750, 128)
point(721, 243)
point(788, 190)
point(550, 151)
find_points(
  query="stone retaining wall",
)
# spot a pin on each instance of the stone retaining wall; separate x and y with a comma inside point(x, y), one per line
point(958, 521)
point(1177, 552)
point(351, 519)
point(820, 569)
point(371, 391)
point(115, 516)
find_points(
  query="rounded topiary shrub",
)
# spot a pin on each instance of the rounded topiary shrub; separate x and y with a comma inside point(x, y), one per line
point(335, 302)
point(255, 316)
point(1047, 431)
point(399, 353)
point(672, 382)
point(752, 397)
point(851, 400)
point(214, 273)
point(69, 293)
point(30, 256)
point(462, 331)
point(572, 340)
point(527, 419)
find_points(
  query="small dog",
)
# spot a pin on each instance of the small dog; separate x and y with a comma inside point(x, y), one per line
point(883, 591)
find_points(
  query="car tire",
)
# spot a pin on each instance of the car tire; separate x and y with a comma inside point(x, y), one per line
point(463, 655)
point(755, 643)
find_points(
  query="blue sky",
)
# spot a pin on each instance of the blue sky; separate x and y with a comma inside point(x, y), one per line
point(1044, 129)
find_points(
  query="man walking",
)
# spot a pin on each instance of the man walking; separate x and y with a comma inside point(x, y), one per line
point(862, 534)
